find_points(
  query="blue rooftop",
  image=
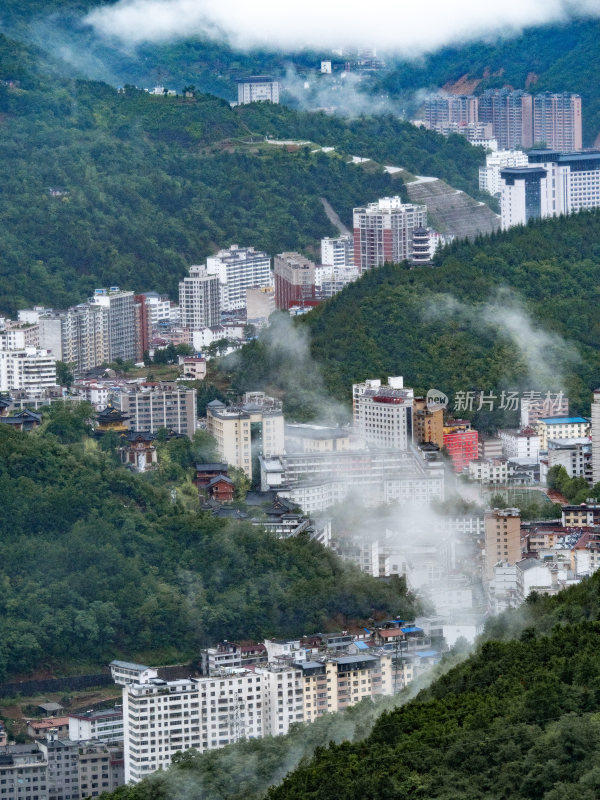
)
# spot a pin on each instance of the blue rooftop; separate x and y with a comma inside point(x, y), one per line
point(412, 629)
point(427, 653)
point(562, 420)
point(362, 645)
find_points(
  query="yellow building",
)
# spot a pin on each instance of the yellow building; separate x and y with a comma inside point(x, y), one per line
point(561, 428)
point(428, 422)
point(337, 683)
point(111, 419)
point(246, 430)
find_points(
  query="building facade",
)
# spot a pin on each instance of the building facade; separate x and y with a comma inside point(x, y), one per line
point(200, 299)
point(557, 121)
point(243, 432)
point(239, 269)
point(383, 232)
point(502, 539)
point(294, 280)
point(121, 322)
point(257, 89)
point(165, 405)
point(383, 415)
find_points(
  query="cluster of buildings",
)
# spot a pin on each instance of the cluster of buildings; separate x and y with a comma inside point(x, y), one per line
point(255, 689)
point(316, 467)
point(551, 183)
point(70, 758)
point(509, 119)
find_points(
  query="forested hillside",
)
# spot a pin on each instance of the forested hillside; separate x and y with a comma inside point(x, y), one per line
point(96, 562)
point(555, 58)
point(454, 326)
point(101, 187)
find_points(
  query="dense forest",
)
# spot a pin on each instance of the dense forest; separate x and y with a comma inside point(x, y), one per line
point(96, 562)
point(518, 719)
point(513, 311)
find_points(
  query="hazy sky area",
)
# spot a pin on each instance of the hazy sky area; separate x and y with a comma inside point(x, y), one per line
point(408, 29)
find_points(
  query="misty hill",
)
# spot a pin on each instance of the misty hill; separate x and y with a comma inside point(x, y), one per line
point(559, 58)
point(514, 310)
point(96, 562)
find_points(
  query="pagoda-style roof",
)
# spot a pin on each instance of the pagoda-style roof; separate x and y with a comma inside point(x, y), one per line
point(111, 415)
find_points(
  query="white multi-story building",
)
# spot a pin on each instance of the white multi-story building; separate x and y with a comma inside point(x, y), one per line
point(159, 308)
point(316, 481)
point(492, 471)
point(239, 269)
point(489, 176)
point(30, 370)
point(150, 407)
point(524, 443)
point(200, 299)
point(78, 336)
point(338, 252)
point(258, 88)
point(383, 232)
point(575, 455)
point(551, 184)
point(104, 724)
point(160, 718)
point(383, 414)
point(121, 321)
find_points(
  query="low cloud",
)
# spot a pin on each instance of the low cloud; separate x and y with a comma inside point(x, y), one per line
point(406, 29)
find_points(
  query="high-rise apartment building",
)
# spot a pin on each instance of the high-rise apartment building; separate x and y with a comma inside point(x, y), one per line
point(338, 252)
point(557, 121)
point(294, 280)
point(121, 322)
point(443, 110)
point(502, 538)
point(511, 115)
point(143, 326)
point(78, 336)
point(383, 414)
point(239, 269)
point(383, 232)
point(243, 432)
point(200, 299)
point(258, 88)
point(24, 772)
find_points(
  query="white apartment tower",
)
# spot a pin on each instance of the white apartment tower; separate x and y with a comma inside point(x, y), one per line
point(383, 414)
point(161, 718)
point(239, 269)
point(121, 322)
point(338, 252)
point(258, 88)
point(200, 299)
point(383, 232)
point(596, 437)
